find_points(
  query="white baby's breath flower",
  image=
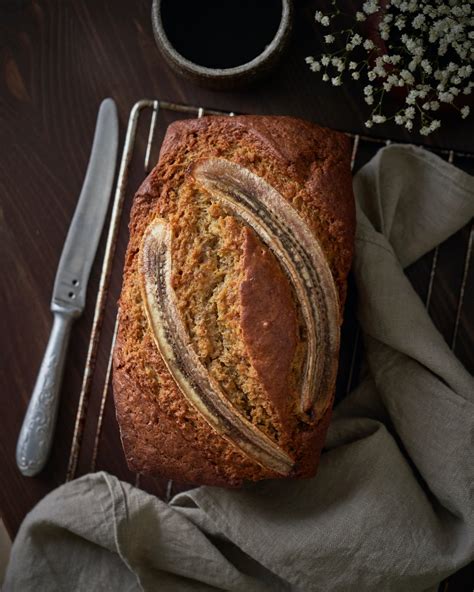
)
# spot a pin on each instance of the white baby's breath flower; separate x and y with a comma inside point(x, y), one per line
point(370, 6)
point(384, 27)
point(409, 42)
point(418, 52)
point(418, 21)
point(443, 48)
point(411, 98)
point(445, 97)
point(380, 71)
point(340, 66)
point(425, 64)
point(407, 76)
point(419, 36)
point(368, 123)
point(400, 23)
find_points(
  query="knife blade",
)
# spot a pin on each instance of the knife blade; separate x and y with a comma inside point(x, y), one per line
point(69, 292)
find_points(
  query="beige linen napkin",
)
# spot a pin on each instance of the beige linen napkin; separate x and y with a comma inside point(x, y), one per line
point(392, 506)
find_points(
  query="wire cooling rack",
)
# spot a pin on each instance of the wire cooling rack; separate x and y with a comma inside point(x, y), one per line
point(144, 129)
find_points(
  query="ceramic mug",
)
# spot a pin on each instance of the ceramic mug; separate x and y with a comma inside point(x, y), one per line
point(192, 36)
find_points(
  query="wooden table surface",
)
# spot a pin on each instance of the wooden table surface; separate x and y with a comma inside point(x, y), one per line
point(58, 61)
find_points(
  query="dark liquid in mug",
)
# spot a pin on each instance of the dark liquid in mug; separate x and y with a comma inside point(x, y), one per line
point(220, 33)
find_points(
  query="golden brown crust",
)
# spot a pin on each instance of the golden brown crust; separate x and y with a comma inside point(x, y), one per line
point(309, 166)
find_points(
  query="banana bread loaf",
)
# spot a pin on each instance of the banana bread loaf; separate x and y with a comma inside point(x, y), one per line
point(241, 239)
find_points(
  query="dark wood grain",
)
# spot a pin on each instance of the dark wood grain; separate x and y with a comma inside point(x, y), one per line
point(58, 60)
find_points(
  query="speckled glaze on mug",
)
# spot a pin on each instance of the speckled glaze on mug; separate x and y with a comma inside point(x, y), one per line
point(224, 78)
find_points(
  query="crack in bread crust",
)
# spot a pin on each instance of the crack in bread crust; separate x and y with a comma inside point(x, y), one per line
point(207, 272)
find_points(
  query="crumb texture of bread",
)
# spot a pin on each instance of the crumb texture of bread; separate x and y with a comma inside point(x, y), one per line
point(208, 271)
point(237, 303)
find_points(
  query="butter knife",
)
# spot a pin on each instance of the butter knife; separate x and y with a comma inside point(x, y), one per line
point(69, 292)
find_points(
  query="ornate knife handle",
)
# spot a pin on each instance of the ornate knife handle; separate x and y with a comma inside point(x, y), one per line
point(36, 435)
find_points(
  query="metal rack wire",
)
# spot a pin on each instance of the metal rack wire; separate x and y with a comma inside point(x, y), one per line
point(155, 106)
